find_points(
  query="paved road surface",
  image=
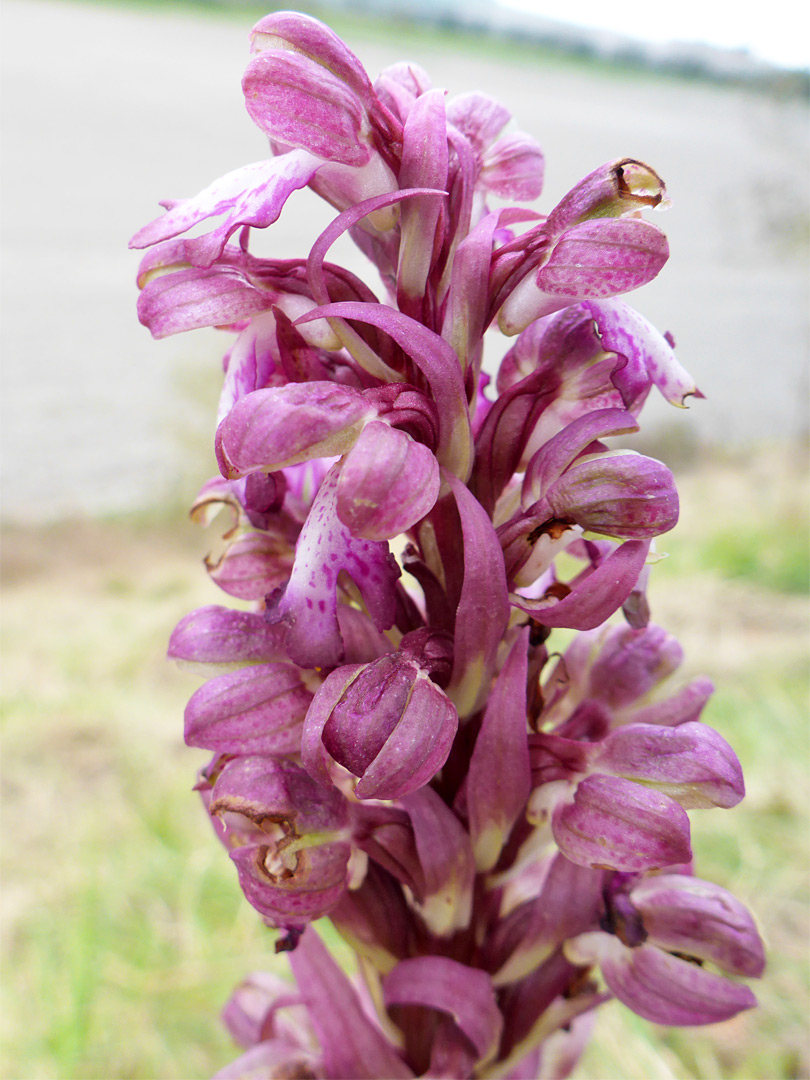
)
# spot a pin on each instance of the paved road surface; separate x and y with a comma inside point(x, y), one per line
point(107, 109)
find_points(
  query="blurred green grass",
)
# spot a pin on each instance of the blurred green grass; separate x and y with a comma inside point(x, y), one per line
point(124, 930)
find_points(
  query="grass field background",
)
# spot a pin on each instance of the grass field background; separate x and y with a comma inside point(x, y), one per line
point(124, 929)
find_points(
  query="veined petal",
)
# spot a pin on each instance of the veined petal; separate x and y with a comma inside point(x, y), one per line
point(618, 493)
point(557, 455)
point(297, 102)
point(658, 986)
point(602, 257)
point(697, 918)
point(192, 298)
point(252, 565)
point(257, 710)
point(219, 635)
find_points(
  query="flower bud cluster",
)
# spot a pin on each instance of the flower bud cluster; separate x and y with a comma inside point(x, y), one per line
point(501, 835)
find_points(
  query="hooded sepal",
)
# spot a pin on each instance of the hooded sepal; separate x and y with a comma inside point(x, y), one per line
point(385, 722)
point(387, 483)
point(256, 710)
point(615, 824)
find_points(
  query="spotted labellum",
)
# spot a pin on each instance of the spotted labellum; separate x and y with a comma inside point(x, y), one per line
point(497, 824)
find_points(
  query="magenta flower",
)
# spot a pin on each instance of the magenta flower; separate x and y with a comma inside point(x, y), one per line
point(497, 828)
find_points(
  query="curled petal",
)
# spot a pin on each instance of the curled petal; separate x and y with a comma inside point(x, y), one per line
point(624, 332)
point(252, 195)
point(424, 164)
point(594, 594)
point(252, 565)
point(464, 993)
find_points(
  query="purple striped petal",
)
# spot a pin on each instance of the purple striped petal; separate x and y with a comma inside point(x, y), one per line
point(219, 635)
point(257, 710)
point(603, 257)
point(189, 299)
point(685, 915)
point(660, 987)
point(297, 102)
point(691, 762)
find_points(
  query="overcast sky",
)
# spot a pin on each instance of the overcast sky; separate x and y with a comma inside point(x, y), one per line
point(775, 30)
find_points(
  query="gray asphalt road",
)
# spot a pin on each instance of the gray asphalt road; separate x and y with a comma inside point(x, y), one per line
point(108, 109)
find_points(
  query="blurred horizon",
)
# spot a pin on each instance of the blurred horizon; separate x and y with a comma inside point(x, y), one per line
point(99, 418)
